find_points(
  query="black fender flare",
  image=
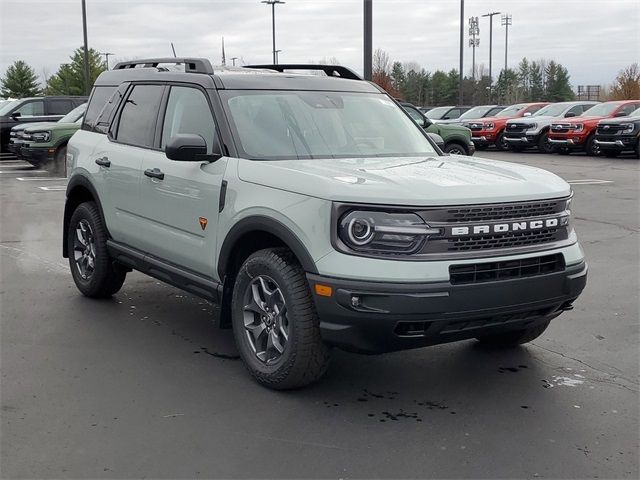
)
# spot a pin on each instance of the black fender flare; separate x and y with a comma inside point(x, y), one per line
point(78, 181)
point(261, 223)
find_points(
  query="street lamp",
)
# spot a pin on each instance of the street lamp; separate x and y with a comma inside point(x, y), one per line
point(506, 21)
point(460, 73)
point(273, 4)
point(490, 15)
point(106, 57)
point(87, 78)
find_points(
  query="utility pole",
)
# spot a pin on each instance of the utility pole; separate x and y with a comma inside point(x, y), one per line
point(278, 56)
point(273, 4)
point(368, 39)
point(506, 21)
point(460, 77)
point(224, 58)
point(173, 49)
point(474, 41)
point(106, 58)
point(490, 15)
point(233, 59)
point(87, 78)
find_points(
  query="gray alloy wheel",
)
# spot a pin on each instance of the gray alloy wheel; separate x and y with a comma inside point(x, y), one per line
point(455, 149)
point(265, 319)
point(84, 249)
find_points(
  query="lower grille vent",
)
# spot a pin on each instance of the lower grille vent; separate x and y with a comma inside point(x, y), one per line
point(506, 270)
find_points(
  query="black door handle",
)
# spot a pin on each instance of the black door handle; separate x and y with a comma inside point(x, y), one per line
point(103, 162)
point(154, 173)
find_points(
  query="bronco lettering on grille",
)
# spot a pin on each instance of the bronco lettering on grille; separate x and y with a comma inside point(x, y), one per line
point(509, 227)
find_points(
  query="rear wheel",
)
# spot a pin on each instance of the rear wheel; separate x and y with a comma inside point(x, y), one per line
point(454, 148)
point(514, 338)
point(275, 324)
point(544, 146)
point(94, 271)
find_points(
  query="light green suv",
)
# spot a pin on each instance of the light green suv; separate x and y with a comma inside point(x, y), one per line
point(315, 211)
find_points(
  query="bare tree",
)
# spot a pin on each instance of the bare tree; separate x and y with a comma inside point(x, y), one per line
point(627, 84)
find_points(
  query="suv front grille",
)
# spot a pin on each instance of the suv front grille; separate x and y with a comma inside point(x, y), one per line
point(516, 128)
point(610, 129)
point(505, 270)
point(501, 212)
point(516, 239)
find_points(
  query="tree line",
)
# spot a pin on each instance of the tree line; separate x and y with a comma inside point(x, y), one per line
point(538, 80)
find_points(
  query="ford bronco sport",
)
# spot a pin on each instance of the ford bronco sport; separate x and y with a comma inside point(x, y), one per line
point(315, 211)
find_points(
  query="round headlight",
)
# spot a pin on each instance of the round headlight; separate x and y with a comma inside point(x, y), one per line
point(360, 231)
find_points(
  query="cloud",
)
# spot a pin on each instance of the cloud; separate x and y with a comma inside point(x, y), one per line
point(592, 38)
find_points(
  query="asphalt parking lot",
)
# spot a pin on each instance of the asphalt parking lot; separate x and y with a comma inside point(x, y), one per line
point(144, 384)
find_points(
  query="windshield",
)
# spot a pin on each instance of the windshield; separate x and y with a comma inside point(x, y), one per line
point(437, 113)
point(511, 111)
point(602, 110)
point(7, 107)
point(74, 115)
point(476, 112)
point(554, 110)
point(285, 125)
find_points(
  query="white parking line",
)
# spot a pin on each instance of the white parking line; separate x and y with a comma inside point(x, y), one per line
point(56, 188)
point(589, 181)
point(40, 179)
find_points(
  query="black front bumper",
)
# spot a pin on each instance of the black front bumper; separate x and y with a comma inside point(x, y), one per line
point(36, 156)
point(398, 316)
point(617, 143)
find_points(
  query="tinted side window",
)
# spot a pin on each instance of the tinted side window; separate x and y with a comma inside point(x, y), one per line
point(576, 110)
point(453, 113)
point(138, 117)
point(97, 101)
point(59, 107)
point(533, 110)
point(417, 116)
point(627, 109)
point(188, 112)
point(31, 109)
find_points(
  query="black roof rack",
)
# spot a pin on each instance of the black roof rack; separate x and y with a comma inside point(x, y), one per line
point(330, 70)
point(191, 65)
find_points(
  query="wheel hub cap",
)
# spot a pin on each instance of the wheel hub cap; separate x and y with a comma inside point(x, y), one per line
point(265, 319)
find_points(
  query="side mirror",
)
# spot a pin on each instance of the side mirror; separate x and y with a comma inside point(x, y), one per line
point(527, 114)
point(15, 115)
point(621, 114)
point(570, 114)
point(437, 139)
point(189, 147)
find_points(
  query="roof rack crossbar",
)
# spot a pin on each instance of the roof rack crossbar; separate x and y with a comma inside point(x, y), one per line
point(191, 65)
point(330, 70)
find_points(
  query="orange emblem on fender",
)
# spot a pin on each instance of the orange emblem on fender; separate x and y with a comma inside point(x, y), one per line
point(203, 222)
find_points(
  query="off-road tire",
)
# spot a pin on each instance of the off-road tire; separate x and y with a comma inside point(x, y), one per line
point(543, 143)
point(514, 338)
point(455, 148)
point(501, 144)
point(107, 277)
point(591, 148)
point(305, 357)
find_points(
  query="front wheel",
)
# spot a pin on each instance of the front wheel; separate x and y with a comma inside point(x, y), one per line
point(275, 323)
point(544, 146)
point(94, 271)
point(454, 148)
point(592, 147)
point(514, 338)
point(501, 143)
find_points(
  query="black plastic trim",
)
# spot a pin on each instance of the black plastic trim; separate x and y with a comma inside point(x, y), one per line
point(187, 280)
point(223, 196)
point(257, 223)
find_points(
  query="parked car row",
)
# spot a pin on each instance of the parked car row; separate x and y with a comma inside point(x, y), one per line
point(37, 129)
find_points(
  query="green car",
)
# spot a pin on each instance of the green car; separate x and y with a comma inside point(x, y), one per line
point(45, 144)
point(457, 139)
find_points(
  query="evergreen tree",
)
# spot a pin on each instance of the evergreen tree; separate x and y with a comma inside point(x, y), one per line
point(524, 77)
point(536, 88)
point(561, 91)
point(398, 77)
point(20, 80)
point(69, 79)
point(507, 87)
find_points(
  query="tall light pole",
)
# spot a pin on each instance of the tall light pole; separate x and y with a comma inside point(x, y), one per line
point(87, 79)
point(474, 41)
point(278, 56)
point(273, 4)
point(368, 39)
point(460, 76)
point(490, 15)
point(506, 21)
point(233, 59)
point(106, 57)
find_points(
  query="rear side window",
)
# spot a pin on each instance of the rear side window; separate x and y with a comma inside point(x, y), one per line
point(139, 115)
point(577, 110)
point(98, 99)
point(533, 110)
point(188, 112)
point(627, 109)
point(59, 107)
point(33, 108)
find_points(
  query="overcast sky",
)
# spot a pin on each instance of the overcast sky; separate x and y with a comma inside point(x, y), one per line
point(592, 38)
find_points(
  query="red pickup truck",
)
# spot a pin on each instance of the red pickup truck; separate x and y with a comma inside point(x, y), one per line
point(578, 133)
point(490, 130)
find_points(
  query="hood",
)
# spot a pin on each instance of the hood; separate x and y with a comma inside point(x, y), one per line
point(582, 119)
point(417, 181)
point(619, 120)
point(24, 126)
point(39, 127)
point(541, 120)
